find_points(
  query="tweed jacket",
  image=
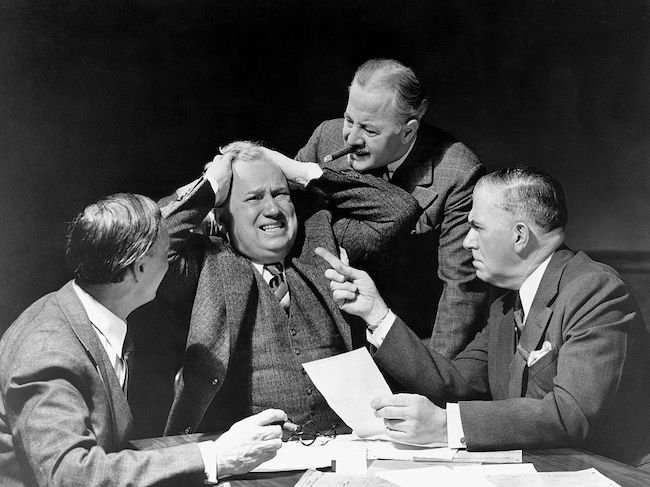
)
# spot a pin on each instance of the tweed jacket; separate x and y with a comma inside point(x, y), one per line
point(368, 214)
point(589, 391)
point(64, 420)
point(427, 277)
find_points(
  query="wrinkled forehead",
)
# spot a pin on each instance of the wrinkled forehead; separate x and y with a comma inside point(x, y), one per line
point(258, 173)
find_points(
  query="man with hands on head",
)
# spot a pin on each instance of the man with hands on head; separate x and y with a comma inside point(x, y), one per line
point(562, 360)
point(64, 416)
point(261, 305)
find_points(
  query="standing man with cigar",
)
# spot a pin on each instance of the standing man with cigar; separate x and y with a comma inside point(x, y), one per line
point(427, 277)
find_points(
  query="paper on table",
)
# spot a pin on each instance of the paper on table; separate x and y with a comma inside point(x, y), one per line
point(503, 456)
point(476, 476)
point(349, 382)
point(314, 478)
point(295, 456)
point(582, 478)
point(384, 450)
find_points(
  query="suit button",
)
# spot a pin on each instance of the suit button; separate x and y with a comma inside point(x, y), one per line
point(462, 440)
point(308, 391)
point(214, 381)
point(297, 351)
point(188, 430)
point(293, 332)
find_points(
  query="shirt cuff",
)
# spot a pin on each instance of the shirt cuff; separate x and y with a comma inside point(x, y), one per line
point(305, 172)
point(209, 455)
point(455, 433)
point(377, 337)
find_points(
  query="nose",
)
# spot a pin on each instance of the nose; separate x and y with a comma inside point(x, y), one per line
point(469, 242)
point(270, 206)
point(353, 136)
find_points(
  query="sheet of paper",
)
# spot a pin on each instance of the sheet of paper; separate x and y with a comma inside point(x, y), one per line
point(295, 456)
point(313, 478)
point(386, 450)
point(476, 476)
point(349, 382)
point(582, 478)
point(505, 456)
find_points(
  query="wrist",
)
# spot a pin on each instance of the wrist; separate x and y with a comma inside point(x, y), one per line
point(377, 316)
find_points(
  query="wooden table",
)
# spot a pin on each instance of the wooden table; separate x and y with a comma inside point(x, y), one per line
point(552, 460)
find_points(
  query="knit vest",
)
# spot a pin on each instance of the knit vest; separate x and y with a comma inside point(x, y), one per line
point(265, 370)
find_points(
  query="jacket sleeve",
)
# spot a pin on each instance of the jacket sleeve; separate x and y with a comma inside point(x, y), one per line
point(462, 307)
point(419, 370)
point(55, 430)
point(368, 213)
point(183, 212)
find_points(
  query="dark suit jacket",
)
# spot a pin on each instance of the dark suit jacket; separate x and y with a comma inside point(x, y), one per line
point(64, 419)
point(427, 277)
point(369, 213)
point(590, 391)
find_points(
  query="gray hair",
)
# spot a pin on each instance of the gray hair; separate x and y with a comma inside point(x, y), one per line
point(409, 98)
point(530, 193)
point(110, 235)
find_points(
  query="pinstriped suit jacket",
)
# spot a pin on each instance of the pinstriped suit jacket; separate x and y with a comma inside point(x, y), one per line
point(591, 390)
point(64, 419)
point(427, 277)
point(367, 215)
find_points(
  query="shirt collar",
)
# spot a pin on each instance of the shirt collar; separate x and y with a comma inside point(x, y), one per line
point(263, 272)
point(392, 167)
point(531, 284)
point(104, 321)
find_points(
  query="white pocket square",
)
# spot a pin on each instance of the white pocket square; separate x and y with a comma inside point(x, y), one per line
point(535, 355)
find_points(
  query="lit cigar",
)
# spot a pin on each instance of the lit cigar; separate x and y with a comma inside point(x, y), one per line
point(339, 153)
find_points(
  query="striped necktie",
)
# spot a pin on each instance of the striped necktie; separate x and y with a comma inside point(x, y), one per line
point(127, 362)
point(277, 283)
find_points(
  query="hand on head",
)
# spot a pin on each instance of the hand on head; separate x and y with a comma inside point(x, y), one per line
point(411, 418)
point(250, 442)
point(291, 168)
point(220, 171)
point(353, 290)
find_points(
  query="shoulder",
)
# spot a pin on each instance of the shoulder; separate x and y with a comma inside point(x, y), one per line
point(453, 158)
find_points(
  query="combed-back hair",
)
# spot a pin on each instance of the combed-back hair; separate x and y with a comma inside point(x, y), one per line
point(244, 150)
point(410, 100)
point(109, 235)
point(530, 193)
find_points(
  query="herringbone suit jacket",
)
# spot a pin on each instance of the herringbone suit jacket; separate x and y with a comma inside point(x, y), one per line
point(426, 276)
point(64, 420)
point(591, 390)
point(366, 215)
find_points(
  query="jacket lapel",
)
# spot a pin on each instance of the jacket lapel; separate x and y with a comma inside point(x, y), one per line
point(120, 412)
point(505, 344)
point(538, 319)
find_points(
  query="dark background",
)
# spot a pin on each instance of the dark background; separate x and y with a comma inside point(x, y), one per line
point(99, 97)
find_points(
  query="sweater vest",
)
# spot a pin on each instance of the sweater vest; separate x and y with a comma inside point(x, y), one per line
point(265, 369)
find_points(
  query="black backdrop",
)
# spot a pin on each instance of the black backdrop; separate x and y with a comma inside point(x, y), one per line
point(135, 95)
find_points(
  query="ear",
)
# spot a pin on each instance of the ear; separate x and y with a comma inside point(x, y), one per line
point(521, 236)
point(410, 129)
point(137, 269)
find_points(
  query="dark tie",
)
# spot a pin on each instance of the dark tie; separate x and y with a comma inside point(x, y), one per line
point(277, 283)
point(518, 313)
point(127, 361)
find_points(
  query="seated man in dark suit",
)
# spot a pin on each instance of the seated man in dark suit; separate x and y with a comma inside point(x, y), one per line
point(562, 361)
point(64, 418)
point(427, 276)
point(261, 304)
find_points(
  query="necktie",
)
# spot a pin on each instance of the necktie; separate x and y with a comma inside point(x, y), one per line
point(277, 283)
point(518, 313)
point(127, 361)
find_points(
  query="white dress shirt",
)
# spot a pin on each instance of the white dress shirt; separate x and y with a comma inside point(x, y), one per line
point(110, 330)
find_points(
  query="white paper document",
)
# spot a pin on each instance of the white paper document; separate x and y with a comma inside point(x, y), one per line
point(386, 450)
point(476, 476)
point(349, 382)
point(582, 478)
